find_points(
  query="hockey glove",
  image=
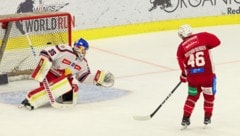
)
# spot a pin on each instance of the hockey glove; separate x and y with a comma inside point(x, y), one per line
point(103, 78)
point(183, 78)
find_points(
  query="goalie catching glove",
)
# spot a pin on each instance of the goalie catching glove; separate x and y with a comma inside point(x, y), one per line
point(105, 79)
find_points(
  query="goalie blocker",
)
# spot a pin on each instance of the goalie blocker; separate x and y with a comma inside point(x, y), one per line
point(42, 69)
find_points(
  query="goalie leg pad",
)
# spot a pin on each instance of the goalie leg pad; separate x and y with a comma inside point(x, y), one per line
point(58, 87)
point(42, 69)
point(71, 97)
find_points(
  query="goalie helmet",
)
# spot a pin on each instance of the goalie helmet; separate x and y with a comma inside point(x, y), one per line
point(80, 47)
point(184, 31)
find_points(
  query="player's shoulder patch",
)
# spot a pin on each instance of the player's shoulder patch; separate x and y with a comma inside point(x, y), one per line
point(63, 47)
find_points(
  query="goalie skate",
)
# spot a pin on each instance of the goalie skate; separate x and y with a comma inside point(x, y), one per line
point(25, 104)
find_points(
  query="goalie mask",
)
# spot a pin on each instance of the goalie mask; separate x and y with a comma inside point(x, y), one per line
point(184, 31)
point(80, 47)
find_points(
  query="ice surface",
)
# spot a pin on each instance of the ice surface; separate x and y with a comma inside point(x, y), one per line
point(146, 71)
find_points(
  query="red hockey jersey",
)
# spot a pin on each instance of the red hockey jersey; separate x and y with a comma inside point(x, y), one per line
point(194, 55)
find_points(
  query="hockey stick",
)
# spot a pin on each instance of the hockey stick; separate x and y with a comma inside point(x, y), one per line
point(148, 117)
point(46, 85)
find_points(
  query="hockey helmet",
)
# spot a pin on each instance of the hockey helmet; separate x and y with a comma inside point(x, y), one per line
point(184, 31)
point(80, 47)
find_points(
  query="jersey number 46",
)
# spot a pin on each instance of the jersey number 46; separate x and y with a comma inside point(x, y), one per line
point(196, 59)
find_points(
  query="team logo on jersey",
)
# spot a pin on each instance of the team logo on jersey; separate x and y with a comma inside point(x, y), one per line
point(74, 65)
point(67, 62)
point(77, 67)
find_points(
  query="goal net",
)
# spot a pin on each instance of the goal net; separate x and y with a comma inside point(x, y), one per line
point(23, 36)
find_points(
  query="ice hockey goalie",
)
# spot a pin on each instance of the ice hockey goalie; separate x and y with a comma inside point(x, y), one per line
point(64, 67)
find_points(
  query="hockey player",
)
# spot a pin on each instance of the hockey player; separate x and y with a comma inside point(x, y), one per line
point(63, 67)
point(197, 69)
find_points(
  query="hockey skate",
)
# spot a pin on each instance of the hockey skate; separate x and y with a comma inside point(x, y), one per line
point(26, 104)
point(65, 98)
point(207, 120)
point(185, 122)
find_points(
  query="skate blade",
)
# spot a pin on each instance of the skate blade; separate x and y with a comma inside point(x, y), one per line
point(184, 127)
point(205, 126)
point(24, 107)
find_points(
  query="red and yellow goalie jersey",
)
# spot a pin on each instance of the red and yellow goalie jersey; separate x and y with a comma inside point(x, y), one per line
point(194, 55)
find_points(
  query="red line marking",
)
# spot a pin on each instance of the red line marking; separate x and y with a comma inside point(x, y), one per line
point(135, 59)
point(165, 69)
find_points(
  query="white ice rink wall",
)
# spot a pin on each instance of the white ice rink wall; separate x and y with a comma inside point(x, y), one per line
point(106, 18)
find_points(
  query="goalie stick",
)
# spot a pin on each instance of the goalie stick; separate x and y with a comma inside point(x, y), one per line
point(148, 117)
point(46, 85)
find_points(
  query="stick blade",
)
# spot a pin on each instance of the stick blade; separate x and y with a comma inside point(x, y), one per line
point(142, 118)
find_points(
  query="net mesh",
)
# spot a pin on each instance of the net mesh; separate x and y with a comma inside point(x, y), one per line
point(23, 36)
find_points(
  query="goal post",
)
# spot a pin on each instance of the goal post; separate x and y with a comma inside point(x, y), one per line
point(42, 29)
